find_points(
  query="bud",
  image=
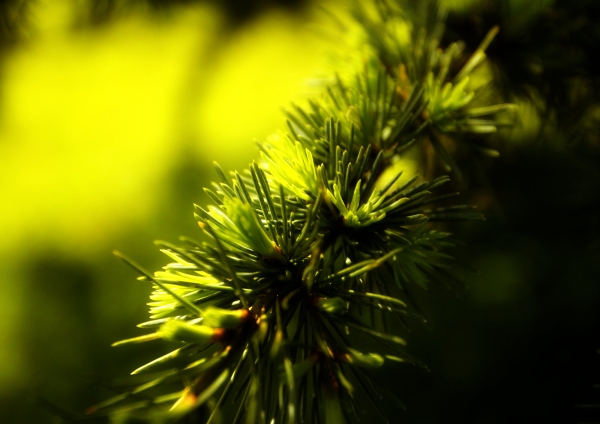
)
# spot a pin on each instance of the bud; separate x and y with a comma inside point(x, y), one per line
point(223, 318)
point(371, 360)
point(332, 305)
point(263, 329)
point(181, 331)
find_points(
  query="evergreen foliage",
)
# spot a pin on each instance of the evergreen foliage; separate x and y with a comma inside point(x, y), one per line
point(310, 255)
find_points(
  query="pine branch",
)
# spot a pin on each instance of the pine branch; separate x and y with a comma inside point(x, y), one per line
point(310, 251)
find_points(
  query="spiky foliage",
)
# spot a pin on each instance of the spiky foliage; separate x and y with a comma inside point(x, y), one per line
point(435, 83)
point(308, 256)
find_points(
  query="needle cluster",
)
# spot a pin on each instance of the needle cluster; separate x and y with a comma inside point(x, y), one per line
point(304, 274)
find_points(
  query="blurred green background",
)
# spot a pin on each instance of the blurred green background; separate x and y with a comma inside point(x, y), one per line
point(108, 131)
point(110, 118)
